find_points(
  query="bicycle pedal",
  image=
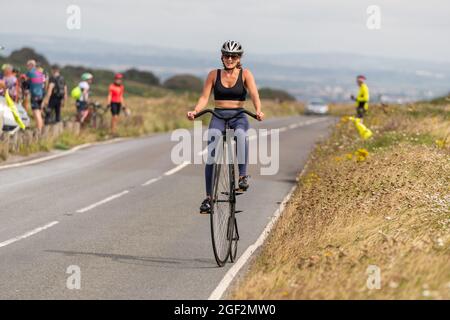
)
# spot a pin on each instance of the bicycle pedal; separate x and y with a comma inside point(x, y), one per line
point(239, 193)
point(238, 211)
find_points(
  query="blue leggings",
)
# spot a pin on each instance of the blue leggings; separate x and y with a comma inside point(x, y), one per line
point(240, 126)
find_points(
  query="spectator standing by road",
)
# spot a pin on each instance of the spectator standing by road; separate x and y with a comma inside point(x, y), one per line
point(16, 74)
point(115, 100)
point(24, 85)
point(56, 96)
point(40, 68)
point(10, 80)
point(362, 99)
point(36, 89)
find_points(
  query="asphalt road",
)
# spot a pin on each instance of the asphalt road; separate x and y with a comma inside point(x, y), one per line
point(131, 240)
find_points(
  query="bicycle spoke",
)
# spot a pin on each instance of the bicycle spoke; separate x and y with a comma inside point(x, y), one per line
point(221, 212)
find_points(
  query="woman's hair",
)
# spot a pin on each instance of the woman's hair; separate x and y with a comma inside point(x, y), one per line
point(239, 64)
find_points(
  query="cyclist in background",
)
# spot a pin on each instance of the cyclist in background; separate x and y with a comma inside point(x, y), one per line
point(36, 89)
point(83, 99)
point(115, 100)
point(230, 87)
point(56, 95)
point(362, 99)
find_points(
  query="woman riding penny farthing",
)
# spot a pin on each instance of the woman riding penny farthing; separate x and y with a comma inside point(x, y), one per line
point(230, 86)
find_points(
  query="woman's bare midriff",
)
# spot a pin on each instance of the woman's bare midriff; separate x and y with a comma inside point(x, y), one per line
point(228, 104)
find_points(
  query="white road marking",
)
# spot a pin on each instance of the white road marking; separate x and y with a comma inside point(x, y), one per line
point(234, 270)
point(177, 168)
point(151, 181)
point(28, 234)
point(92, 206)
point(59, 155)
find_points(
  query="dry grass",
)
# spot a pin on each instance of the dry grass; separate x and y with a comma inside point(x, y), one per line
point(169, 113)
point(390, 209)
point(149, 115)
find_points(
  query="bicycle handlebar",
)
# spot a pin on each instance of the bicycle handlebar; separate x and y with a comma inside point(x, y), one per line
point(201, 113)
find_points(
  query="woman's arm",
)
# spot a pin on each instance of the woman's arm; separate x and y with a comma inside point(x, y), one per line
point(108, 100)
point(47, 96)
point(85, 95)
point(250, 83)
point(204, 98)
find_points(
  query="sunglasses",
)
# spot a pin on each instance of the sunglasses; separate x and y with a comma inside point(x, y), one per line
point(230, 56)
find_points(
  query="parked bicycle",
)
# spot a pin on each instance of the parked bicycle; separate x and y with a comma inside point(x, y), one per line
point(95, 117)
point(224, 228)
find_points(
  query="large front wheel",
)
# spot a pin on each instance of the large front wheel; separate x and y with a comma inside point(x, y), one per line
point(221, 214)
point(222, 207)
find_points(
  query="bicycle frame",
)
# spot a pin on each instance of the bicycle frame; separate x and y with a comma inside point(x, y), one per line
point(230, 236)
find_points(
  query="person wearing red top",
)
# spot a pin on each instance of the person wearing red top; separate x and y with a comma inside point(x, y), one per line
point(115, 100)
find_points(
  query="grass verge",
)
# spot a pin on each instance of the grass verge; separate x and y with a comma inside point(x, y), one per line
point(384, 202)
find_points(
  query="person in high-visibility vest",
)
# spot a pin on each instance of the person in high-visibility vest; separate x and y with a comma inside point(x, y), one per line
point(362, 99)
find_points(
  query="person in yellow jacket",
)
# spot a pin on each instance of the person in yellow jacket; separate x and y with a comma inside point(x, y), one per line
point(362, 99)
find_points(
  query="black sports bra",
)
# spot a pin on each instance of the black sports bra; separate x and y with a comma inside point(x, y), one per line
point(236, 93)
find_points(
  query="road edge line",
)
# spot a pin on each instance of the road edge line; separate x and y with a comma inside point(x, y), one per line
point(59, 155)
point(231, 274)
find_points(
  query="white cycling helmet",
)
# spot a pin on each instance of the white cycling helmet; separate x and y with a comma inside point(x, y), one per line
point(86, 76)
point(232, 47)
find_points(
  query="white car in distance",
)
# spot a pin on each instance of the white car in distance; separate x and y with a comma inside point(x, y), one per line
point(316, 106)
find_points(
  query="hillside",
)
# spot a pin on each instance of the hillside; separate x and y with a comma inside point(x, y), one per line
point(138, 82)
point(275, 94)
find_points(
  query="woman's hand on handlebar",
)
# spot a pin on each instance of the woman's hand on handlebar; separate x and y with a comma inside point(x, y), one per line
point(191, 115)
point(260, 115)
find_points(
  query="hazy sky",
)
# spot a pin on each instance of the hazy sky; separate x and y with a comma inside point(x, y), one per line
point(413, 29)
